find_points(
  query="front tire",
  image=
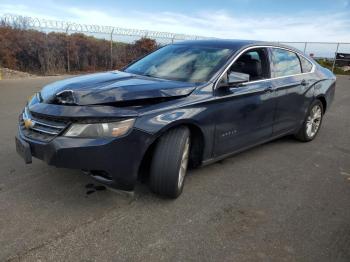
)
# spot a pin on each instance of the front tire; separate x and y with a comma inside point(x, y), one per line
point(169, 162)
point(312, 122)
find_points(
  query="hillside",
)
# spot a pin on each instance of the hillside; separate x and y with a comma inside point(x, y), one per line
point(6, 73)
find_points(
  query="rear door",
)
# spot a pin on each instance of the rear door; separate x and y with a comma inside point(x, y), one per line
point(289, 85)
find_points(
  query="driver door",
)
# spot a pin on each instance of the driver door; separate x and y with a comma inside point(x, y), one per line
point(245, 112)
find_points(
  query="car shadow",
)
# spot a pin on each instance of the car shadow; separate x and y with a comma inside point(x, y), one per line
point(142, 188)
point(64, 183)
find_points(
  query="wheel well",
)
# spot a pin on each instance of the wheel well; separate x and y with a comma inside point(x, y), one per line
point(324, 102)
point(196, 154)
point(197, 145)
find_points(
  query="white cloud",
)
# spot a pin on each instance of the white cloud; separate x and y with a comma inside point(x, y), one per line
point(23, 10)
point(300, 27)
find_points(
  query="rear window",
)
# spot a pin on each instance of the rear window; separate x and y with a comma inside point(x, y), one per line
point(305, 64)
point(285, 63)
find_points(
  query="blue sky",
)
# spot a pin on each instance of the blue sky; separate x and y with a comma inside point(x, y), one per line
point(308, 20)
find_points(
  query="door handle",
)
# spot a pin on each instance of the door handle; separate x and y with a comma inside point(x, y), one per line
point(268, 89)
point(304, 82)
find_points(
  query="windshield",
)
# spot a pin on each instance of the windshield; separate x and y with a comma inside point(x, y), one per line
point(181, 63)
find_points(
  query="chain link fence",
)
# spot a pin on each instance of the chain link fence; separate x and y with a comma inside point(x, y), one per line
point(325, 51)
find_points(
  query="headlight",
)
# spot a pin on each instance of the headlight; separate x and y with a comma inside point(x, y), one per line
point(112, 129)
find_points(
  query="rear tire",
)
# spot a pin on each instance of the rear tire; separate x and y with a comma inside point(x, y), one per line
point(169, 162)
point(312, 122)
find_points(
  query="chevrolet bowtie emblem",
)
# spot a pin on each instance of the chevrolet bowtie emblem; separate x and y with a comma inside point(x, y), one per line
point(28, 123)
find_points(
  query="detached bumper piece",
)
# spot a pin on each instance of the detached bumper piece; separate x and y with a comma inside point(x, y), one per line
point(23, 149)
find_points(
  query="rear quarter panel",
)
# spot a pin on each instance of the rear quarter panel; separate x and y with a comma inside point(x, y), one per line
point(325, 87)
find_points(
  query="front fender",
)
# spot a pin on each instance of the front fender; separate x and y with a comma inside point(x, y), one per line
point(199, 116)
point(158, 123)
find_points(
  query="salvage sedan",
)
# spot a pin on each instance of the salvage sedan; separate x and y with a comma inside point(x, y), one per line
point(184, 105)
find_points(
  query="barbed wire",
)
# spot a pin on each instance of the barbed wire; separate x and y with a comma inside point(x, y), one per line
point(66, 26)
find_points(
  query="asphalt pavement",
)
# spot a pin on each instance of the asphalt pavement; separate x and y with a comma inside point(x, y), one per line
point(282, 201)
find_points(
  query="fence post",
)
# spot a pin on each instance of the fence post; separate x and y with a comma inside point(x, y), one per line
point(335, 57)
point(67, 47)
point(305, 48)
point(112, 48)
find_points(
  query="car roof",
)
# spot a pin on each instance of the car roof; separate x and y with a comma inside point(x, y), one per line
point(233, 44)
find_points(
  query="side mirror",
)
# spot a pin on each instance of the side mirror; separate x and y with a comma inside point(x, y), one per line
point(234, 79)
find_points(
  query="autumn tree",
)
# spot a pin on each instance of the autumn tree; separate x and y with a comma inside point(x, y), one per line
point(48, 53)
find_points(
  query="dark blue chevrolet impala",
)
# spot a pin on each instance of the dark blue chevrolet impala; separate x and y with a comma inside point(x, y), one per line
point(184, 105)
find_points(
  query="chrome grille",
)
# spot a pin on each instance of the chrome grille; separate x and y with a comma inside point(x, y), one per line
point(40, 128)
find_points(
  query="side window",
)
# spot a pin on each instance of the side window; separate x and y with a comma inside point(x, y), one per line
point(254, 63)
point(285, 62)
point(305, 64)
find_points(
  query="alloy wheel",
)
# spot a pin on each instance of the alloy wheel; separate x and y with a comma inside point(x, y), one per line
point(184, 163)
point(313, 121)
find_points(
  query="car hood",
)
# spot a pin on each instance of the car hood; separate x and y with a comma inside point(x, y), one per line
point(111, 87)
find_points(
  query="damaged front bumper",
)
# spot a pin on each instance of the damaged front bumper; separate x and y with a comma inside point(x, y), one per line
point(112, 161)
